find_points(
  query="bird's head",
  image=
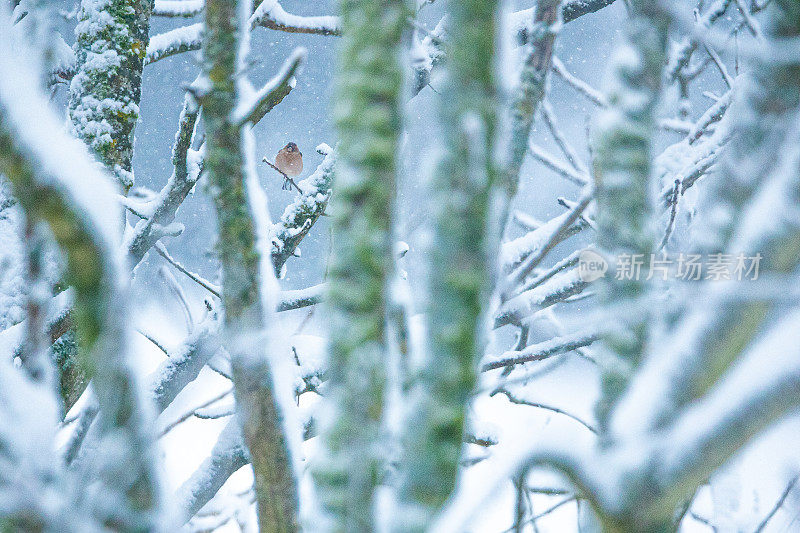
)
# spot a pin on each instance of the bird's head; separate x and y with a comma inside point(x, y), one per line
point(291, 147)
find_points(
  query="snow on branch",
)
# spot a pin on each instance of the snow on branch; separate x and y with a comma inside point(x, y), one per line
point(178, 8)
point(185, 363)
point(570, 10)
point(682, 54)
point(161, 210)
point(541, 351)
point(111, 37)
point(759, 390)
point(299, 217)
point(78, 202)
point(514, 252)
point(253, 108)
point(31, 484)
point(296, 299)
point(270, 14)
point(556, 290)
point(227, 456)
point(556, 235)
point(579, 85)
point(177, 41)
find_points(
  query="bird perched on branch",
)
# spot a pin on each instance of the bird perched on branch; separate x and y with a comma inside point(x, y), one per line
point(288, 162)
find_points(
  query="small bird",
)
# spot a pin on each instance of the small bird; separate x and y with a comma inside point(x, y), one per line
point(289, 161)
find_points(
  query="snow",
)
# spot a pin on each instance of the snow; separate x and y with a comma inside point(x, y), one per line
point(87, 187)
point(250, 100)
point(178, 8)
point(29, 476)
point(183, 37)
point(271, 10)
point(514, 252)
point(752, 393)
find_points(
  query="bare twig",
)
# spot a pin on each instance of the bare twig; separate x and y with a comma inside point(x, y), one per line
point(516, 277)
point(543, 350)
point(561, 140)
point(207, 285)
point(286, 178)
point(521, 401)
point(579, 85)
point(749, 21)
point(778, 505)
point(673, 202)
point(720, 66)
point(188, 414)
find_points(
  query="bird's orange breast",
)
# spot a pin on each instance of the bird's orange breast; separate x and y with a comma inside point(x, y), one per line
point(290, 163)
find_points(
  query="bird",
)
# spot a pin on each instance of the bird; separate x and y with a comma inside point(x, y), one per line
point(289, 161)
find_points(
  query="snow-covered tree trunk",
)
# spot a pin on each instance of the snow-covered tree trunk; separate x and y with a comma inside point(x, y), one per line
point(74, 201)
point(531, 90)
point(112, 38)
point(622, 180)
point(367, 113)
point(459, 266)
point(240, 258)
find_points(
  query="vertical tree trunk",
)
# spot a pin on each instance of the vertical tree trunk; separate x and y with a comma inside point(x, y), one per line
point(622, 172)
point(459, 264)
point(112, 38)
point(73, 200)
point(244, 327)
point(368, 115)
point(529, 96)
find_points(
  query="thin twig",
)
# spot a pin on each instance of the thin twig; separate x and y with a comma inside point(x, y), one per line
point(777, 505)
point(672, 213)
point(187, 415)
point(749, 21)
point(546, 511)
point(154, 341)
point(282, 173)
point(703, 520)
point(162, 251)
point(521, 401)
point(720, 66)
point(533, 260)
point(578, 84)
point(555, 165)
point(543, 350)
point(561, 140)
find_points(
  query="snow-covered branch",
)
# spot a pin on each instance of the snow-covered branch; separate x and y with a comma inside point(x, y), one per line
point(161, 210)
point(542, 350)
point(77, 201)
point(270, 14)
point(227, 456)
point(104, 94)
point(253, 108)
point(300, 216)
point(178, 8)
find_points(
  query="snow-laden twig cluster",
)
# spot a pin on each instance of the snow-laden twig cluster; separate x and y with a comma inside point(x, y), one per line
point(688, 376)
